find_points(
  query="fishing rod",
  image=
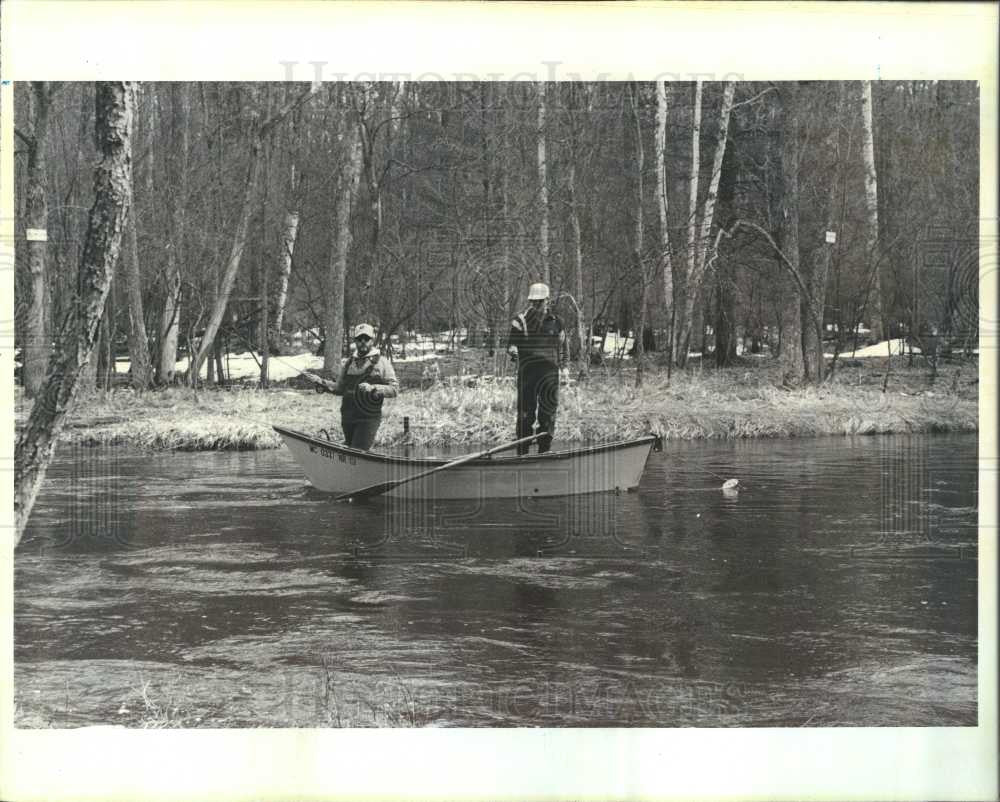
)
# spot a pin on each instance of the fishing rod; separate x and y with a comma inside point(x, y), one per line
point(322, 386)
point(321, 383)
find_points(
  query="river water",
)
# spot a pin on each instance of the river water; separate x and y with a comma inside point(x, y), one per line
point(838, 587)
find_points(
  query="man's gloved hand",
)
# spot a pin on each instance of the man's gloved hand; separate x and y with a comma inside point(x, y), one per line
point(370, 390)
point(512, 351)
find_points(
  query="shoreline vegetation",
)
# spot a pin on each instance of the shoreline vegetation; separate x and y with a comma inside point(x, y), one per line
point(466, 410)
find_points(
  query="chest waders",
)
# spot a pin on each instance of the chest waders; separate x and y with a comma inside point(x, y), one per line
point(360, 414)
point(538, 380)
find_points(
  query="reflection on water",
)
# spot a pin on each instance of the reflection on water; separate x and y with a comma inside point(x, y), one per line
point(836, 587)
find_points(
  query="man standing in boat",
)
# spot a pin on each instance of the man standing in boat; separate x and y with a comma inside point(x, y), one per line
point(366, 379)
point(537, 341)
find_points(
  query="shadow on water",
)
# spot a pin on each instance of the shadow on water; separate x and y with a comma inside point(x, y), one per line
point(837, 587)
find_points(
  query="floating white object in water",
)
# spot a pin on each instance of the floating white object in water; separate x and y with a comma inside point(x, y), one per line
point(730, 484)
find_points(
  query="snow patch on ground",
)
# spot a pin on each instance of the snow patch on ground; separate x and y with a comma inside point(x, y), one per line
point(423, 349)
point(884, 349)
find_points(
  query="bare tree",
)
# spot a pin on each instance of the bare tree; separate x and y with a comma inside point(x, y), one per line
point(349, 176)
point(114, 108)
point(432, 185)
point(289, 232)
point(684, 324)
point(637, 231)
point(699, 243)
point(138, 345)
point(290, 225)
point(871, 210)
point(662, 206)
point(35, 353)
point(574, 225)
point(787, 204)
point(543, 187)
point(258, 131)
point(814, 299)
point(170, 317)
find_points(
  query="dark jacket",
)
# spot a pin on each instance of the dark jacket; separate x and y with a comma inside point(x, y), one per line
point(539, 336)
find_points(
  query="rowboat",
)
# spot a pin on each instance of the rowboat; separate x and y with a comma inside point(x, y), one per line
point(335, 468)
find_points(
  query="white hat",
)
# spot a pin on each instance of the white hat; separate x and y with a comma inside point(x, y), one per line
point(538, 292)
point(364, 329)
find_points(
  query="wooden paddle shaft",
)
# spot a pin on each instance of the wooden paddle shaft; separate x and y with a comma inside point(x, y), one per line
point(384, 487)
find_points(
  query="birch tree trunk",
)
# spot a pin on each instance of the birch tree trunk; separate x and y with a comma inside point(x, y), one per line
point(35, 353)
point(347, 190)
point(684, 323)
point(583, 357)
point(708, 212)
point(138, 344)
point(87, 382)
point(662, 205)
point(696, 266)
point(576, 246)
point(871, 209)
point(113, 189)
point(214, 372)
point(289, 233)
point(263, 332)
point(543, 188)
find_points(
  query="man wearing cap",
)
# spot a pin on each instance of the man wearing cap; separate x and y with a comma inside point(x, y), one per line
point(538, 342)
point(366, 379)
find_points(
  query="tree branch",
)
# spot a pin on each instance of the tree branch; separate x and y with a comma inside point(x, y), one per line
point(750, 100)
point(803, 289)
point(25, 138)
point(285, 110)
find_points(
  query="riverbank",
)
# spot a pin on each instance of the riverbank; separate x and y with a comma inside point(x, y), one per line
point(732, 403)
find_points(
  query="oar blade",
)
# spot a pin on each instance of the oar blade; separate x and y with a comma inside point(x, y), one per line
point(367, 492)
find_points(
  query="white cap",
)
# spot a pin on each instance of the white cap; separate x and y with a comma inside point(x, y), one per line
point(364, 329)
point(538, 292)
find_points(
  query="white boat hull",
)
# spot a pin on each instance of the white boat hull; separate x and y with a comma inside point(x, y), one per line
point(334, 468)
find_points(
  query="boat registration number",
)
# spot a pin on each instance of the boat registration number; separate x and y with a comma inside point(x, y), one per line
point(331, 454)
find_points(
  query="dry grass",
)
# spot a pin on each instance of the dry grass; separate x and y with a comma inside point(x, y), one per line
point(148, 710)
point(732, 403)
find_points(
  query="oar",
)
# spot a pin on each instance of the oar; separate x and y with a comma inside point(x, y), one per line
point(384, 487)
